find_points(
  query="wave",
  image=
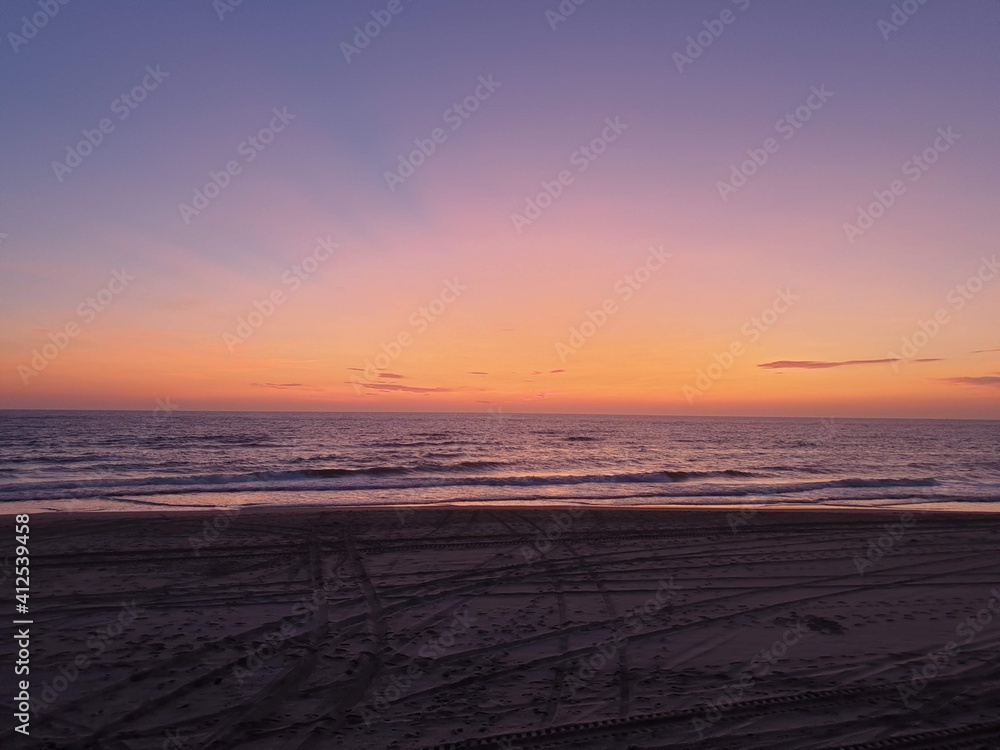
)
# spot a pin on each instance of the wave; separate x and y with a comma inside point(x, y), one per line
point(929, 482)
point(426, 475)
point(798, 469)
point(377, 471)
point(55, 459)
point(416, 443)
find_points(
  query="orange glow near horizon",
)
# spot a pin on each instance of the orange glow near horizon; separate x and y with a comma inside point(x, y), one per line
point(529, 362)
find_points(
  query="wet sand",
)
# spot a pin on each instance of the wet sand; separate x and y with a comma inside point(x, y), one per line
point(513, 628)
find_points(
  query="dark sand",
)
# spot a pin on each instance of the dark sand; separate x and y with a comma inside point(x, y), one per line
point(622, 629)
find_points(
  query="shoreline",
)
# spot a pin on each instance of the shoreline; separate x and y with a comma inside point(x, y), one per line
point(785, 508)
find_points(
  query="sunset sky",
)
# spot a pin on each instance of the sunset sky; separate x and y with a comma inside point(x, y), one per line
point(646, 285)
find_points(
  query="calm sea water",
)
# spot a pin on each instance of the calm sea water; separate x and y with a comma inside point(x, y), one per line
point(155, 460)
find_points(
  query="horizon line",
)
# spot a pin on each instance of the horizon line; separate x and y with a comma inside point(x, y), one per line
point(510, 413)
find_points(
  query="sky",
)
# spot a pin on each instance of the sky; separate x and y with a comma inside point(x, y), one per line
point(734, 207)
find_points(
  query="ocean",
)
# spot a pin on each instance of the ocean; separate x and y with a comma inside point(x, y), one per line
point(116, 460)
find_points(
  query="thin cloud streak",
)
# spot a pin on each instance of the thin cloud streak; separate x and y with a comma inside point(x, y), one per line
point(982, 381)
point(790, 364)
point(405, 388)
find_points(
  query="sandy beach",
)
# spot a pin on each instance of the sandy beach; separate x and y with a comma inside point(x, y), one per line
point(514, 627)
